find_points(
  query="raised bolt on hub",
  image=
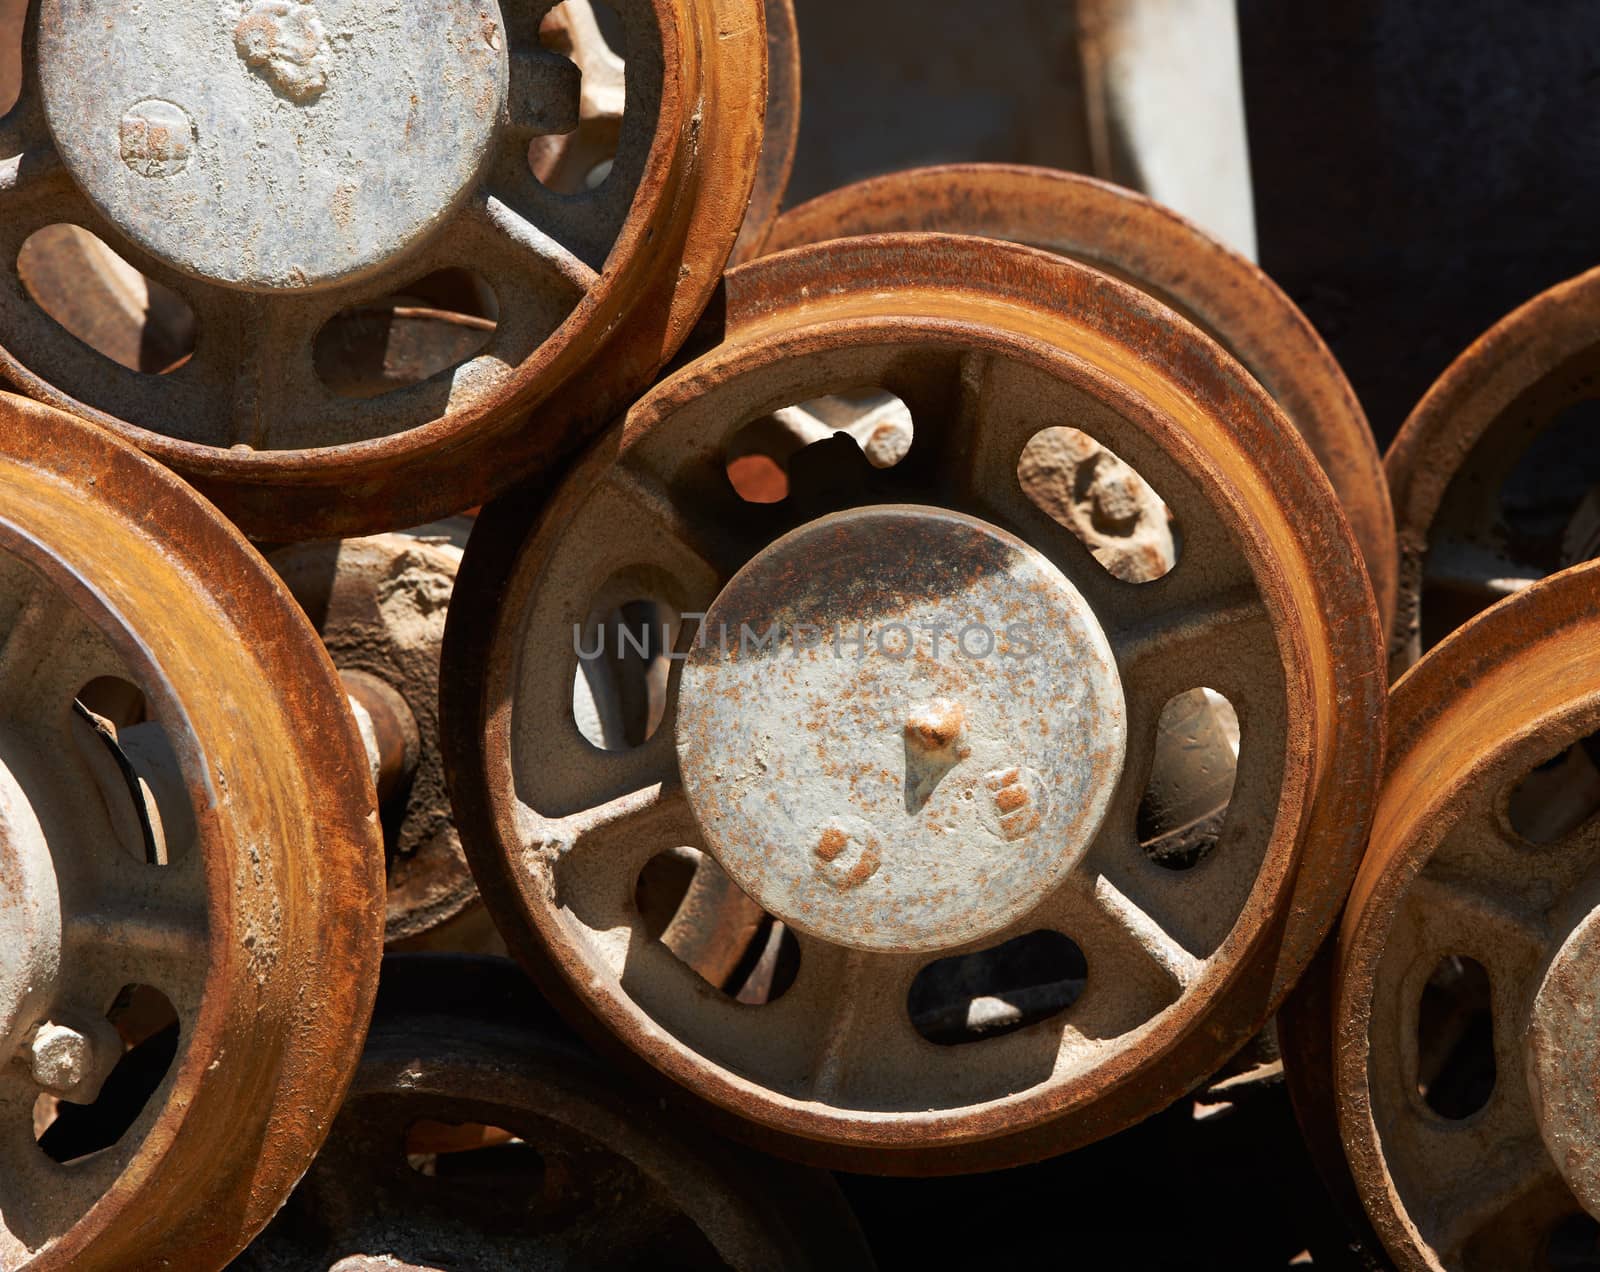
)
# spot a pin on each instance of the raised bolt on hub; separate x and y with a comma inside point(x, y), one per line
point(72, 1060)
point(388, 731)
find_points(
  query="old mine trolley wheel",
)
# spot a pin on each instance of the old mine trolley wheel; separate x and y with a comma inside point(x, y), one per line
point(573, 160)
point(986, 344)
point(479, 1134)
point(379, 605)
point(1464, 540)
point(190, 858)
point(1159, 252)
point(277, 171)
point(1465, 1102)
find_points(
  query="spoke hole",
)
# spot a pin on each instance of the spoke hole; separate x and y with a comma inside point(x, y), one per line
point(1185, 804)
point(769, 455)
point(1109, 507)
point(470, 1151)
point(115, 700)
point(135, 769)
point(148, 1026)
point(619, 692)
point(425, 329)
point(1455, 1039)
point(1574, 1245)
point(594, 37)
point(12, 15)
point(693, 908)
point(104, 302)
point(1559, 796)
point(1550, 501)
point(997, 991)
point(1520, 507)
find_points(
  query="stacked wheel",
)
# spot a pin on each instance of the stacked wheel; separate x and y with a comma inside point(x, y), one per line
point(922, 810)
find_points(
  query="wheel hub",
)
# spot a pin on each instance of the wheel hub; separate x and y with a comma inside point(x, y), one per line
point(1564, 1059)
point(274, 144)
point(30, 917)
point(899, 728)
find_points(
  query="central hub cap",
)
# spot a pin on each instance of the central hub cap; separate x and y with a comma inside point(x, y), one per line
point(30, 917)
point(1563, 1043)
point(272, 144)
point(899, 729)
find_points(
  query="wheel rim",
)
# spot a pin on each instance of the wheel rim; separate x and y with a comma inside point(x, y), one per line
point(1448, 875)
point(457, 1043)
point(250, 922)
point(535, 803)
point(1450, 461)
point(620, 271)
point(1159, 252)
point(568, 161)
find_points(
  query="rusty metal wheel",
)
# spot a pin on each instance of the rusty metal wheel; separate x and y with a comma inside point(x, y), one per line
point(189, 856)
point(1166, 255)
point(379, 605)
point(825, 788)
point(1492, 477)
point(251, 162)
point(1450, 1038)
point(573, 161)
point(479, 1135)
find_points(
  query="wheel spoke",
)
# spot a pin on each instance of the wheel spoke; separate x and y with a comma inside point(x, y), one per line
point(1167, 631)
point(585, 224)
point(636, 545)
point(537, 247)
point(538, 281)
point(1474, 1198)
point(544, 94)
point(1136, 968)
point(593, 859)
point(866, 1034)
point(277, 400)
point(48, 654)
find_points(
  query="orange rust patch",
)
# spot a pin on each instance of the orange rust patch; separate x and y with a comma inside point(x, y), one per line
point(831, 844)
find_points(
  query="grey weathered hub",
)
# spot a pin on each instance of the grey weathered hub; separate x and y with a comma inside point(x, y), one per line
point(1564, 1059)
point(900, 728)
point(30, 919)
point(272, 144)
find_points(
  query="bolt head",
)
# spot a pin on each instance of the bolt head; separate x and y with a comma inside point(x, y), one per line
point(935, 725)
point(1117, 497)
point(61, 1058)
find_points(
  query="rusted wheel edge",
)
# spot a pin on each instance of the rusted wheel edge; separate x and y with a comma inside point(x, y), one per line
point(1160, 252)
point(782, 133)
point(1458, 409)
point(467, 1032)
point(285, 797)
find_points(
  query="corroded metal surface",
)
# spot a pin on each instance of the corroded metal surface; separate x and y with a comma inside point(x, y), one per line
point(379, 605)
point(782, 134)
point(480, 1135)
point(1173, 260)
point(217, 854)
point(984, 343)
point(582, 158)
point(1483, 1182)
point(1100, 499)
point(594, 290)
point(963, 728)
point(1461, 547)
point(254, 153)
